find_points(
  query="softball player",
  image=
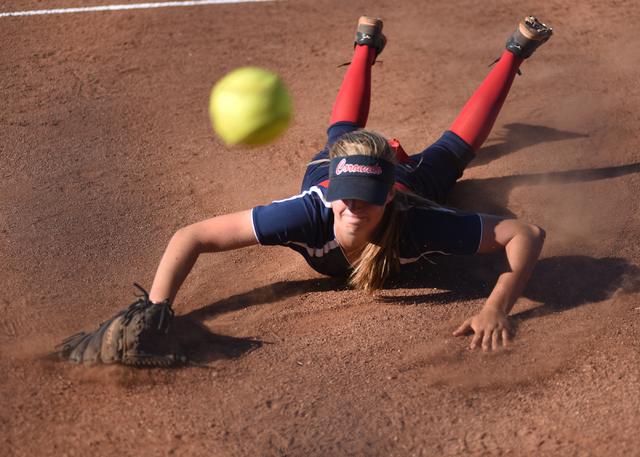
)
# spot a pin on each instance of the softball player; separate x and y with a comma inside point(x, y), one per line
point(367, 209)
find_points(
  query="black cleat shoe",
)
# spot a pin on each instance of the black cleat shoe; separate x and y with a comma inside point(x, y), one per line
point(529, 35)
point(369, 33)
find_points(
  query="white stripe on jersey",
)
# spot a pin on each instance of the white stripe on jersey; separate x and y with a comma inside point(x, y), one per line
point(333, 244)
point(313, 252)
point(312, 190)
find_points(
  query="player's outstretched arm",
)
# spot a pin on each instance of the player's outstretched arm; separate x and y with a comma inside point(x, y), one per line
point(222, 233)
point(521, 243)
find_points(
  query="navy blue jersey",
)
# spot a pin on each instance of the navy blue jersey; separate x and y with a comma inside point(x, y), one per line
point(305, 224)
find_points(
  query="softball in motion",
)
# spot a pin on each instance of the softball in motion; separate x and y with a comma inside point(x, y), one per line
point(250, 106)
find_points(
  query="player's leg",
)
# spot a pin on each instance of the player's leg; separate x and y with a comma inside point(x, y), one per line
point(442, 164)
point(480, 113)
point(351, 108)
point(353, 101)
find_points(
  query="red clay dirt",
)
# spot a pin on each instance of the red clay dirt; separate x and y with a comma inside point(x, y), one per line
point(107, 150)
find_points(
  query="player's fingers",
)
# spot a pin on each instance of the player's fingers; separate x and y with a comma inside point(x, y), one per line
point(486, 340)
point(505, 337)
point(464, 328)
point(477, 340)
point(496, 340)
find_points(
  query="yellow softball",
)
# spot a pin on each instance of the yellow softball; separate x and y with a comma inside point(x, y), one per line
point(250, 106)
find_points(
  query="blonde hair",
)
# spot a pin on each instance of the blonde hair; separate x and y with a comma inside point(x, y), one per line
point(382, 254)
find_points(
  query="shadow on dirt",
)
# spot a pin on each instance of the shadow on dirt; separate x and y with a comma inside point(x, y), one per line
point(490, 195)
point(519, 136)
point(204, 346)
point(558, 283)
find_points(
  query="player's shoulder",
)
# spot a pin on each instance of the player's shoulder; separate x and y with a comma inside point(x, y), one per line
point(314, 194)
point(310, 206)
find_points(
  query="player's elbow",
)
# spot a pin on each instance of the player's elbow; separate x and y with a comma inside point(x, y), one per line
point(535, 234)
point(187, 239)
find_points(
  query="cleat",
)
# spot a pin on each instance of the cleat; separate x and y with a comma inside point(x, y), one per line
point(369, 33)
point(529, 35)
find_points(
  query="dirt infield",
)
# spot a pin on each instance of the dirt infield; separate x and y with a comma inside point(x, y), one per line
point(106, 150)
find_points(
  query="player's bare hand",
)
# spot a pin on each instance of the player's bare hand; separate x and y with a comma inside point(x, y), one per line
point(490, 327)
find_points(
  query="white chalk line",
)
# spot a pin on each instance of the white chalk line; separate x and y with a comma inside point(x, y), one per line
point(125, 7)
